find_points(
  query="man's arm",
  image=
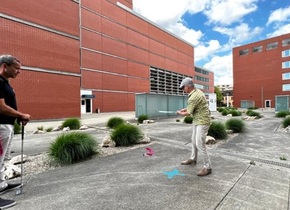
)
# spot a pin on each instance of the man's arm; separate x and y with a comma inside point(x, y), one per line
point(7, 110)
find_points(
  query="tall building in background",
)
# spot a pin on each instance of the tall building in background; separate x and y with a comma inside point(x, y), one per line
point(204, 79)
point(89, 56)
point(261, 72)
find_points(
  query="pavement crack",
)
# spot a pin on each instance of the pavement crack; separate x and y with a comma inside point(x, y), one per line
point(232, 187)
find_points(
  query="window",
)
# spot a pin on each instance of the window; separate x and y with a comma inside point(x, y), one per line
point(244, 52)
point(204, 87)
point(286, 87)
point(285, 53)
point(257, 49)
point(286, 65)
point(203, 79)
point(272, 45)
point(286, 76)
point(199, 70)
point(285, 42)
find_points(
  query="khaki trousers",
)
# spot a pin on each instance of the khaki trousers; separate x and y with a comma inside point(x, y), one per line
point(6, 135)
point(198, 138)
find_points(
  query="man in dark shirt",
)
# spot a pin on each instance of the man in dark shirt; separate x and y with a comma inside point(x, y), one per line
point(9, 68)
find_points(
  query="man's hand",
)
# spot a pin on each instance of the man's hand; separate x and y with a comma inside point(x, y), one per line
point(25, 119)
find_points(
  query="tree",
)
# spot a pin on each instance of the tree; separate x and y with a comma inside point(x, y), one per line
point(219, 96)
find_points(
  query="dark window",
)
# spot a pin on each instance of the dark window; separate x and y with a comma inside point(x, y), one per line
point(244, 52)
point(272, 45)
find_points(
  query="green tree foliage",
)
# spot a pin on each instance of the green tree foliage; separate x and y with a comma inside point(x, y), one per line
point(219, 96)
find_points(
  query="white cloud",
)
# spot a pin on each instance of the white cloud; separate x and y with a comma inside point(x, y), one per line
point(226, 12)
point(240, 33)
point(279, 15)
point(280, 31)
point(202, 51)
point(222, 66)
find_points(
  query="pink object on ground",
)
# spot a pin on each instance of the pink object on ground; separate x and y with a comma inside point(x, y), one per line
point(149, 152)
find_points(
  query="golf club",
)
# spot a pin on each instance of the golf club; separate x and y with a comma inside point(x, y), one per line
point(19, 190)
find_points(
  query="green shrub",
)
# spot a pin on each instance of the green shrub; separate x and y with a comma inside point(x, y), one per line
point(220, 109)
point(48, 129)
point(40, 128)
point(217, 130)
point(177, 120)
point(252, 108)
point(235, 113)
point(236, 125)
point(286, 122)
point(126, 135)
point(188, 119)
point(73, 147)
point(17, 128)
point(114, 122)
point(142, 117)
point(253, 114)
point(225, 112)
point(72, 123)
point(282, 114)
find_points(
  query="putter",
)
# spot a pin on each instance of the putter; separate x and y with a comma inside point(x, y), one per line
point(19, 190)
point(166, 112)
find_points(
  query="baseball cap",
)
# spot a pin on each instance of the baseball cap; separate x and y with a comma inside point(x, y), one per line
point(186, 81)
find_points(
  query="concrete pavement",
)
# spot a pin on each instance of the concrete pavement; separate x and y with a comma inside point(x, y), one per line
point(129, 180)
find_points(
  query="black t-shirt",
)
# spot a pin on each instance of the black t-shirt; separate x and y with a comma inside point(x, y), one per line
point(7, 92)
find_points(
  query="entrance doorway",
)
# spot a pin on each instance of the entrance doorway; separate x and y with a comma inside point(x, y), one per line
point(88, 106)
point(267, 103)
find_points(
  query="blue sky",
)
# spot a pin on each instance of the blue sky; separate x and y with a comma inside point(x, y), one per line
point(214, 27)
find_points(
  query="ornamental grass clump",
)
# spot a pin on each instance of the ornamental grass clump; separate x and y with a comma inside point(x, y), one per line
point(17, 128)
point(72, 123)
point(252, 113)
point(286, 122)
point(217, 130)
point(69, 148)
point(114, 122)
point(235, 112)
point(142, 117)
point(126, 135)
point(282, 114)
point(236, 125)
point(188, 119)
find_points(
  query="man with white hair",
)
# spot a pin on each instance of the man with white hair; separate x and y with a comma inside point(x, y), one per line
point(197, 108)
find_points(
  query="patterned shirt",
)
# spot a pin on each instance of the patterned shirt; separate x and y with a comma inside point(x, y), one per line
point(198, 108)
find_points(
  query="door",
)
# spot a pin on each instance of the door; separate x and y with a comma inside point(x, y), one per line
point(88, 106)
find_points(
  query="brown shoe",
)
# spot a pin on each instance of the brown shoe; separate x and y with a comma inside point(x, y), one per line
point(204, 172)
point(188, 162)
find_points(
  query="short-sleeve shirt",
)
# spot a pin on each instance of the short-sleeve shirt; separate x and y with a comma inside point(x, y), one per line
point(7, 93)
point(198, 108)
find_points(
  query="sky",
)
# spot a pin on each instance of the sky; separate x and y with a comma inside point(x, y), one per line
point(214, 27)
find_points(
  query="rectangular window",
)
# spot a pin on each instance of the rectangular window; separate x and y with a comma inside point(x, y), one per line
point(286, 76)
point(244, 52)
point(257, 49)
point(286, 87)
point(286, 65)
point(285, 53)
point(285, 42)
point(272, 45)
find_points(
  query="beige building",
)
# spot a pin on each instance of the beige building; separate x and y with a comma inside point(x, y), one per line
point(227, 92)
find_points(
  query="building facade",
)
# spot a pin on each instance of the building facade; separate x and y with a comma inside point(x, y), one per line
point(261, 72)
point(204, 79)
point(89, 56)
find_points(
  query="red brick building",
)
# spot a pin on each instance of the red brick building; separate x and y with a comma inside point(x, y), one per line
point(261, 72)
point(89, 56)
